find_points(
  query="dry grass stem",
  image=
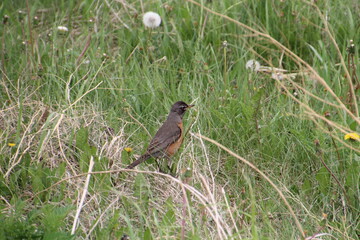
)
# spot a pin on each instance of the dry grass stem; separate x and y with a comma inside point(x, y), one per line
point(87, 44)
point(229, 211)
point(343, 64)
point(82, 200)
point(77, 100)
point(289, 53)
point(207, 202)
point(297, 222)
point(101, 216)
point(138, 122)
point(15, 159)
point(117, 15)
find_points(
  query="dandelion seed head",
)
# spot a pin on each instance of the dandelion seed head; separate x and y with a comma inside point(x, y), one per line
point(62, 29)
point(277, 76)
point(225, 44)
point(151, 20)
point(253, 65)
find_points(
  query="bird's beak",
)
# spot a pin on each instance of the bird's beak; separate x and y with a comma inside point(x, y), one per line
point(190, 106)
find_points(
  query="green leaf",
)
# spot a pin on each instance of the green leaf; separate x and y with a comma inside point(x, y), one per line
point(141, 190)
point(169, 218)
point(318, 56)
point(306, 186)
point(352, 180)
point(82, 139)
point(147, 235)
point(86, 151)
point(353, 125)
point(54, 217)
point(37, 177)
point(45, 134)
point(58, 236)
point(24, 173)
point(323, 178)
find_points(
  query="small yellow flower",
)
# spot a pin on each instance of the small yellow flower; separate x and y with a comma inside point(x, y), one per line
point(352, 136)
point(11, 144)
point(128, 149)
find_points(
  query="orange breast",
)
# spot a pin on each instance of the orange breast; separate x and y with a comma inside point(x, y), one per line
point(172, 149)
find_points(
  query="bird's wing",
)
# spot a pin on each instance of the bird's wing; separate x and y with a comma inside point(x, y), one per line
point(169, 133)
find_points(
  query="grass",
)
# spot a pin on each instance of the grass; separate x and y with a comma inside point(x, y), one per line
point(264, 157)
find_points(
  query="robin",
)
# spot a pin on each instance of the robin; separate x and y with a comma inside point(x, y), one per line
point(168, 138)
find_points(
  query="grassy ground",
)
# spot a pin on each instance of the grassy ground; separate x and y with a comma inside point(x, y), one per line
point(90, 92)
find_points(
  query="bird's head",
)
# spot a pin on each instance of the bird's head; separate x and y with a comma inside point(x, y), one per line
point(180, 107)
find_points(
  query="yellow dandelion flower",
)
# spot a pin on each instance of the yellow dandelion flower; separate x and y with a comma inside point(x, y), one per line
point(352, 136)
point(11, 144)
point(128, 149)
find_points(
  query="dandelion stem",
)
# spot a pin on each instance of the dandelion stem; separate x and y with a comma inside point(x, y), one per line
point(225, 64)
point(30, 32)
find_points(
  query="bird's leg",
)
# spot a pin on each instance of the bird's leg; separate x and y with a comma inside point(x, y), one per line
point(172, 170)
point(171, 166)
point(167, 170)
point(158, 164)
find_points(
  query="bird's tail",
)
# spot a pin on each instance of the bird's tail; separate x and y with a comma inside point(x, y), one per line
point(141, 159)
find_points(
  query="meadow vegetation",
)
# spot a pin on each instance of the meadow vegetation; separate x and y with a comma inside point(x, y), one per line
point(267, 155)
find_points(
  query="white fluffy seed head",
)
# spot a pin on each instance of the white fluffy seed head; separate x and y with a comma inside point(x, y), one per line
point(151, 20)
point(253, 65)
point(277, 76)
point(62, 29)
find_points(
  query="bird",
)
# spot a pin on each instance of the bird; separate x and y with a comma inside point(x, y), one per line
point(168, 138)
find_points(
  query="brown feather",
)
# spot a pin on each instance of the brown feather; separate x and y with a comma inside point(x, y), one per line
point(168, 138)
